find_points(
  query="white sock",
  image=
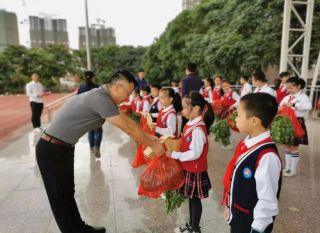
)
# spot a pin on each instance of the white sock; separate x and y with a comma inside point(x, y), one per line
point(294, 161)
point(288, 161)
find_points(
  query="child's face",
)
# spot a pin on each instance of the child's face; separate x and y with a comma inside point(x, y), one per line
point(143, 93)
point(217, 81)
point(154, 92)
point(292, 88)
point(226, 87)
point(206, 83)
point(164, 99)
point(186, 108)
point(242, 81)
point(244, 123)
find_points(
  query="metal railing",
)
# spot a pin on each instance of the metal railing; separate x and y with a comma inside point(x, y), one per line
point(51, 107)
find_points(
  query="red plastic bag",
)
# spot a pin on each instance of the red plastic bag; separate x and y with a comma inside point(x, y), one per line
point(161, 174)
point(217, 106)
point(139, 157)
point(231, 123)
point(288, 112)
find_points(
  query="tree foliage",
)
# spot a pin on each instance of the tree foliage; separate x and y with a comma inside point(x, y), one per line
point(226, 37)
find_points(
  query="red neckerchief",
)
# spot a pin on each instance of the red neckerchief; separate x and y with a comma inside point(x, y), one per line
point(241, 148)
point(291, 97)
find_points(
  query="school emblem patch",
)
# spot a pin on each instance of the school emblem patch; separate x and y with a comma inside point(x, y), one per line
point(188, 139)
point(247, 173)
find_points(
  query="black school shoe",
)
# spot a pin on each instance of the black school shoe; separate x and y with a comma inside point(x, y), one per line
point(91, 229)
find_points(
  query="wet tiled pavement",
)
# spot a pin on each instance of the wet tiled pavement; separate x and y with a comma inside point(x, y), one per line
point(106, 190)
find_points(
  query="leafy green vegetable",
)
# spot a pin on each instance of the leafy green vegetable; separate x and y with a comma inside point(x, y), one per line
point(174, 199)
point(136, 117)
point(221, 131)
point(282, 131)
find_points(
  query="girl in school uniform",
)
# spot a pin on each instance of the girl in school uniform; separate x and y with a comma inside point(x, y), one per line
point(301, 104)
point(193, 157)
point(144, 104)
point(207, 91)
point(217, 91)
point(282, 89)
point(230, 98)
point(246, 86)
point(167, 123)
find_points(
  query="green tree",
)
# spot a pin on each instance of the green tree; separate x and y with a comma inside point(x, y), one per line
point(226, 37)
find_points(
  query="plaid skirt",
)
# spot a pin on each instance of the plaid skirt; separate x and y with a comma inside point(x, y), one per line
point(304, 139)
point(196, 185)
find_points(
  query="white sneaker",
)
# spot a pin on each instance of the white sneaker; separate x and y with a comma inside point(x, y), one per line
point(227, 147)
point(163, 196)
point(290, 174)
point(285, 171)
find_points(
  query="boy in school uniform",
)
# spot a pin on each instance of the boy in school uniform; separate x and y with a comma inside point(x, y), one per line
point(260, 82)
point(252, 181)
point(155, 106)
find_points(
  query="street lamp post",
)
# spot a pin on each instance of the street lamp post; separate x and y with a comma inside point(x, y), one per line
point(87, 38)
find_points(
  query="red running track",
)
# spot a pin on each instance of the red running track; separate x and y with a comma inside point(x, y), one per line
point(15, 116)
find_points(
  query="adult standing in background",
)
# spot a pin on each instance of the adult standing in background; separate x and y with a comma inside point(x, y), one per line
point(141, 82)
point(94, 136)
point(34, 90)
point(191, 82)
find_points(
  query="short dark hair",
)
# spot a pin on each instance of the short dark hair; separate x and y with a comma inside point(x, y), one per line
point(140, 70)
point(245, 77)
point(259, 76)
point(146, 89)
point(218, 76)
point(225, 81)
point(192, 67)
point(284, 74)
point(261, 105)
point(88, 74)
point(157, 86)
point(122, 75)
point(297, 82)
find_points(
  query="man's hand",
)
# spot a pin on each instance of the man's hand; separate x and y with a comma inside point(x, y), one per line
point(158, 149)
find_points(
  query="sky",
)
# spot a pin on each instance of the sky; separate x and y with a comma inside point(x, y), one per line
point(136, 22)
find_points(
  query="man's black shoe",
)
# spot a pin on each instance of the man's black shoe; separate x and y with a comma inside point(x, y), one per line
point(91, 229)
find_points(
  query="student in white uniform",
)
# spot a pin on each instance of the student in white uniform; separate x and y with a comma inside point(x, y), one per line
point(252, 181)
point(260, 82)
point(246, 86)
point(301, 104)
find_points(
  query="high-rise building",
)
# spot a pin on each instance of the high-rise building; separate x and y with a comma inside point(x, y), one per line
point(45, 31)
point(189, 4)
point(8, 29)
point(99, 36)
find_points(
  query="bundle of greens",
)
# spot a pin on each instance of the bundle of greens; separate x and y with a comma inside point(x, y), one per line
point(136, 117)
point(221, 132)
point(282, 130)
point(174, 199)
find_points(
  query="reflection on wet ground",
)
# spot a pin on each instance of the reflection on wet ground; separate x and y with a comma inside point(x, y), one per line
point(106, 190)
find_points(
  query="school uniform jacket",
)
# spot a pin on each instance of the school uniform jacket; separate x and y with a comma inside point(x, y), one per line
point(230, 98)
point(193, 147)
point(167, 121)
point(302, 103)
point(207, 94)
point(216, 93)
point(155, 108)
point(266, 89)
point(255, 183)
point(281, 92)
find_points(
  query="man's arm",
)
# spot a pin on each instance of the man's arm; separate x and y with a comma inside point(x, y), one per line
point(128, 126)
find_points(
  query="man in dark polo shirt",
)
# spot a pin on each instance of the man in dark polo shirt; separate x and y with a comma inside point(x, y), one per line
point(191, 82)
point(55, 149)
